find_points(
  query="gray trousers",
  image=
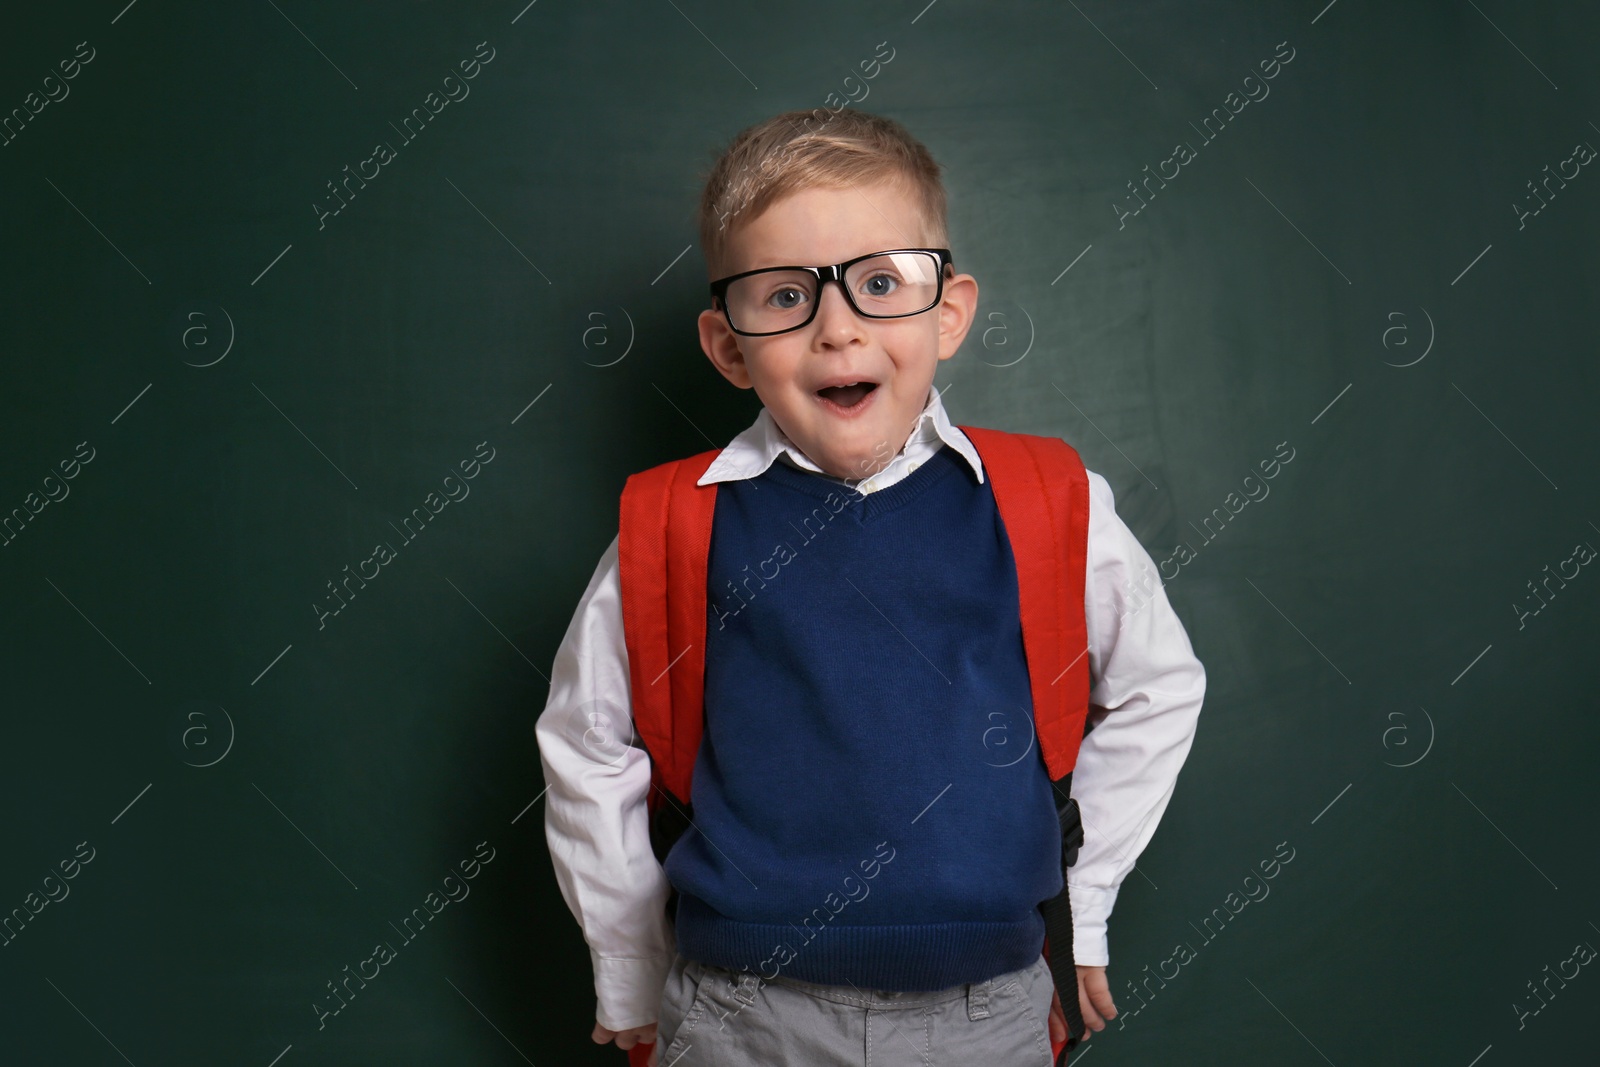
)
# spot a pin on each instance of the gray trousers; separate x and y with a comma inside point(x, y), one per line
point(715, 1017)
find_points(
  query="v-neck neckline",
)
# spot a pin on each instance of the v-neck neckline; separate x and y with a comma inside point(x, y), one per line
point(866, 506)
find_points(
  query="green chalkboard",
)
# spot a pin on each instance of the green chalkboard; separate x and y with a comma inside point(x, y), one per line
point(332, 332)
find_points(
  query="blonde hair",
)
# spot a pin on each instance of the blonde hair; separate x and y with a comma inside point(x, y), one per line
point(796, 150)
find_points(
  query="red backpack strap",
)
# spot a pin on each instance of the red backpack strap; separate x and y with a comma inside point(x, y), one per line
point(1042, 491)
point(663, 546)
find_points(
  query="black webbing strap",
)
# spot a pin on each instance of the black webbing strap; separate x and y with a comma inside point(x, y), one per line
point(1058, 918)
point(667, 823)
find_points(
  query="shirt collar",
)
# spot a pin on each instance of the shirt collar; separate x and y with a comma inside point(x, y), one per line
point(755, 448)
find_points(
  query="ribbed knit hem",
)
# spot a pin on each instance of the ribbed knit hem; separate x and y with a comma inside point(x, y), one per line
point(910, 957)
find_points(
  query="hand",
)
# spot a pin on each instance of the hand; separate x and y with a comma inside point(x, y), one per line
point(1094, 1000)
point(626, 1039)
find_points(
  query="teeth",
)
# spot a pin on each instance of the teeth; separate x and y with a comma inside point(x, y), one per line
point(864, 385)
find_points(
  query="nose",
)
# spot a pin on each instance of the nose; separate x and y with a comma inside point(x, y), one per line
point(837, 322)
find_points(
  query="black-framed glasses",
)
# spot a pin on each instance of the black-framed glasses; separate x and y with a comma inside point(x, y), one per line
point(891, 284)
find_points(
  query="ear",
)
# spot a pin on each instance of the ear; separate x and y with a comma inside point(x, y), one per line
point(957, 308)
point(721, 346)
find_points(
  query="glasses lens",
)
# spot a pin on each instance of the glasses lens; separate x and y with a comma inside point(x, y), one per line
point(893, 284)
point(897, 283)
point(771, 301)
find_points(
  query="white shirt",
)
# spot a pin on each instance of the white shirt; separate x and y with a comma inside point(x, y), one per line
point(1146, 687)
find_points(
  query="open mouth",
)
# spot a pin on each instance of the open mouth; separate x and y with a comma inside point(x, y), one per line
point(847, 396)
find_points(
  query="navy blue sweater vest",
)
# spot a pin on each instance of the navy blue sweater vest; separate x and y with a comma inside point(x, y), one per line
point(870, 803)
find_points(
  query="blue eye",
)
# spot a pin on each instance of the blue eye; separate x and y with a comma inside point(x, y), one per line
point(787, 298)
point(880, 285)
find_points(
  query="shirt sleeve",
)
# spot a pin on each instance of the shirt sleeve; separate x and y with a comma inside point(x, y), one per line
point(1145, 696)
point(597, 779)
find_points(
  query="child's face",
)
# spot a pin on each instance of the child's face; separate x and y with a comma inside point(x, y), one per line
point(815, 227)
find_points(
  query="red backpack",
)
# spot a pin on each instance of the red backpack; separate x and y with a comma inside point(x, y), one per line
point(664, 542)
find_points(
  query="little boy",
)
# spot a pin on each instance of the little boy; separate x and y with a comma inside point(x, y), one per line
point(868, 735)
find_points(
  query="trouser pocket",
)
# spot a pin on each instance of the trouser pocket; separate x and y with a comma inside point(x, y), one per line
point(683, 1008)
point(1032, 991)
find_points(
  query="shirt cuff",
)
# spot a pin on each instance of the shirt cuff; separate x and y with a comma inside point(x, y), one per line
point(628, 989)
point(1091, 908)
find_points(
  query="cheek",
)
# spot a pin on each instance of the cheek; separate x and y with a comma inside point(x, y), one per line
point(776, 365)
point(912, 341)
point(914, 357)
